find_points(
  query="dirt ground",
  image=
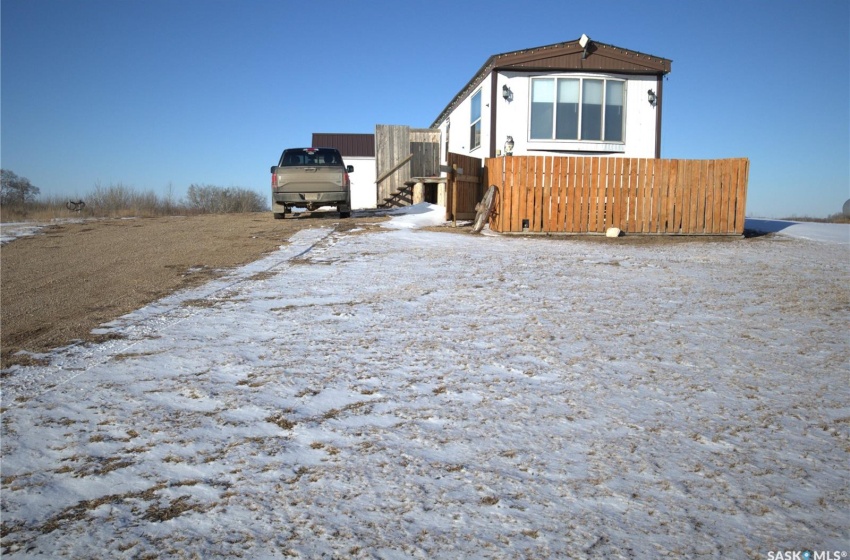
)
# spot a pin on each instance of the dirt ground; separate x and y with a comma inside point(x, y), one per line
point(58, 285)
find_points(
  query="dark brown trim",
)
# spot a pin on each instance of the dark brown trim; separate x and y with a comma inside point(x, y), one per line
point(349, 145)
point(646, 62)
point(494, 100)
point(659, 94)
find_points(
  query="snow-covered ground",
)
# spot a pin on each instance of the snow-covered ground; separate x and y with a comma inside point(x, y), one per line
point(828, 233)
point(397, 393)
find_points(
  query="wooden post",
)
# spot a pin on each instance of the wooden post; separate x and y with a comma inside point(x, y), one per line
point(454, 195)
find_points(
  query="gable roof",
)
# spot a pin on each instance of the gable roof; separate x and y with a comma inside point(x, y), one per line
point(568, 57)
point(349, 145)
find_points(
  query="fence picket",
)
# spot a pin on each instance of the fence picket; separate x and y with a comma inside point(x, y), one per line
point(611, 185)
point(627, 207)
point(547, 194)
point(593, 195)
point(503, 211)
point(716, 179)
point(573, 196)
point(529, 192)
point(642, 198)
point(541, 194)
point(660, 193)
point(510, 196)
point(676, 198)
point(649, 213)
point(672, 177)
point(519, 189)
point(741, 195)
point(557, 196)
point(538, 195)
point(571, 200)
point(602, 194)
point(730, 205)
point(724, 197)
point(699, 207)
point(580, 184)
point(554, 189)
point(692, 190)
point(685, 222)
point(709, 196)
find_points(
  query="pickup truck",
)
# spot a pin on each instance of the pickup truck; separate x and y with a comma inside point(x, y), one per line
point(310, 178)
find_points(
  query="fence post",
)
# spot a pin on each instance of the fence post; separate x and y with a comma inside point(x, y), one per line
point(454, 195)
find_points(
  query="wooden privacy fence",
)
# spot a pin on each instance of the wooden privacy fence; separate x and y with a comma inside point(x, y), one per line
point(638, 195)
point(464, 187)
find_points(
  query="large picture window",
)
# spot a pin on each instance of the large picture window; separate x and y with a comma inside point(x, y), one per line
point(475, 121)
point(577, 109)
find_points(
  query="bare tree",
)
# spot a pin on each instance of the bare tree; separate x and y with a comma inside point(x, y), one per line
point(15, 189)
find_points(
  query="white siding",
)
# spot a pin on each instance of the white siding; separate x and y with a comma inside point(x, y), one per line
point(460, 119)
point(363, 190)
point(512, 119)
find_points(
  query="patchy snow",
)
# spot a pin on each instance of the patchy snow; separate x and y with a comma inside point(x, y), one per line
point(13, 230)
point(419, 215)
point(407, 394)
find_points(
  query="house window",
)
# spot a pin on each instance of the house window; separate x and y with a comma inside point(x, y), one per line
point(614, 114)
point(475, 121)
point(567, 110)
point(542, 108)
point(577, 109)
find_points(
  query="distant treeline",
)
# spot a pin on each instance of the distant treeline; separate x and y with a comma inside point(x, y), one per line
point(838, 218)
point(119, 200)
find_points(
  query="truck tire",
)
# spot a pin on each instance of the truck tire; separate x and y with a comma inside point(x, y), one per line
point(279, 216)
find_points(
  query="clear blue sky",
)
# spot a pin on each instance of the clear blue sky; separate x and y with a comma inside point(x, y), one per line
point(152, 93)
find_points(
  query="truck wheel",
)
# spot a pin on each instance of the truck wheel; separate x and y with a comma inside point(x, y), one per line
point(279, 215)
point(344, 214)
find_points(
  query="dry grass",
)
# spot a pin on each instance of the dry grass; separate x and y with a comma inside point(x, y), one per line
point(121, 201)
point(281, 421)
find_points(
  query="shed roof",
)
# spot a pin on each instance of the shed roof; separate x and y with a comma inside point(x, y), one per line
point(349, 145)
point(567, 57)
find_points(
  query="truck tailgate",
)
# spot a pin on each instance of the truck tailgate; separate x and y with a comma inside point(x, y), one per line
point(309, 179)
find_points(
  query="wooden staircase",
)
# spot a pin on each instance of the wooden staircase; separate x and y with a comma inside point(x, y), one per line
point(398, 198)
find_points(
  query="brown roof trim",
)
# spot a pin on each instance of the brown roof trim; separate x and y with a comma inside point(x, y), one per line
point(569, 57)
point(348, 144)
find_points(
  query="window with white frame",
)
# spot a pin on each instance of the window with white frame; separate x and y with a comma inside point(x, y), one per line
point(475, 121)
point(577, 109)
